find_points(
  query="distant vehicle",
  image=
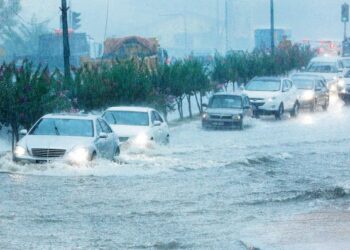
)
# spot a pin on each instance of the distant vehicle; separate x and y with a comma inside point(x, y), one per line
point(273, 96)
point(75, 139)
point(139, 126)
point(346, 62)
point(331, 68)
point(312, 92)
point(227, 110)
point(344, 92)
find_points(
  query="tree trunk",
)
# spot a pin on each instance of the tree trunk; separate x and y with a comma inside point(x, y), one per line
point(179, 107)
point(198, 104)
point(189, 105)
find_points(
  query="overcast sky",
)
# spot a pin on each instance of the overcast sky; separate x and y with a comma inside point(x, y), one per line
point(312, 19)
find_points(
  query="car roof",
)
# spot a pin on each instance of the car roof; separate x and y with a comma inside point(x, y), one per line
point(128, 108)
point(308, 75)
point(325, 59)
point(269, 78)
point(72, 116)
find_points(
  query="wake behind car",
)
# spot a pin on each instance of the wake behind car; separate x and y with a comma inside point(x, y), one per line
point(312, 92)
point(227, 110)
point(272, 96)
point(73, 138)
point(139, 126)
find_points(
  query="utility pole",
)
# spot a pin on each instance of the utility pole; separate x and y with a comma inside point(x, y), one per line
point(66, 50)
point(226, 25)
point(272, 16)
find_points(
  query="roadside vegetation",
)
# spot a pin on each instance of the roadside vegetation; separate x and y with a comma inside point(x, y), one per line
point(27, 92)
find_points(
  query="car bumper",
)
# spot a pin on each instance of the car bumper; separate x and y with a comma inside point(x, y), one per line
point(264, 108)
point(223, 124)
point(27, 159)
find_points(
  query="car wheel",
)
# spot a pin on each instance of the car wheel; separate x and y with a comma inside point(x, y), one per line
point(313, 106)
point(93, 156)
point(117, 152)
point(167, 140)
point(295, 110)
point(326, 105)
point(279, 112)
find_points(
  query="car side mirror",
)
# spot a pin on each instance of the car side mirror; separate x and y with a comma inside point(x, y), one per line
point(303, 68)
point(241, 87)
point(23, 132)
point(103, 135)
point(156, 123)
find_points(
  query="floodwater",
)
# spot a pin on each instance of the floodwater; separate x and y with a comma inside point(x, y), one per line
point(275, 185)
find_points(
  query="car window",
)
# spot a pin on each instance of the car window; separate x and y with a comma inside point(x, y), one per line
point(246, 101)
point(108, 116)
point(285, 85)
point(104, 126)
point(319, 85)
point(98, 128)
point(155, 117)
point(159, 117)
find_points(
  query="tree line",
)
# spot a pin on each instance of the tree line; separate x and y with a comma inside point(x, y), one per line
point(27, 91)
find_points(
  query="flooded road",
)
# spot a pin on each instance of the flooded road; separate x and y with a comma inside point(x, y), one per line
point(275, 185)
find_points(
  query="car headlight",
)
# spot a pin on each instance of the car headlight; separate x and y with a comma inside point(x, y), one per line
point(20, 151)
point(236, 117)
point(271, 99)
point(308, 95)
point(333, 88)
point(141, 140)
point(205, 116)
point(79, 155)
point(341, 83)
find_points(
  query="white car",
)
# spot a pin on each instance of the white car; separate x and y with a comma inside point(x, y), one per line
point(139, 126)
point(331, 68)
point(272, 96)
point(70, 137)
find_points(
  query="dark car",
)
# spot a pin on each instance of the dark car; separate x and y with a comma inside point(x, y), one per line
point(227, 110)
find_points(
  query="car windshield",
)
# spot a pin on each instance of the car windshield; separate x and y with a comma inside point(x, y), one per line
point(304, 83)
point(263, 85)
point(64, 127)
point(225, 102)
point(132, 118)
point(322, 67)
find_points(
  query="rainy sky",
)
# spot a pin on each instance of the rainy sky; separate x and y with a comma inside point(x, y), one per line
point(311, 19)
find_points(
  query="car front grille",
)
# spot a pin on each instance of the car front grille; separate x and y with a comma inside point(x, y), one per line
point(221, 117)
point(257, 99)
point(258, 104)
point(48, 152)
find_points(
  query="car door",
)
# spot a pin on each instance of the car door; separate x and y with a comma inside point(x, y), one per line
point(247, 109)
point(111, 141)
point(323, 93)
point(100, 143)
point(163, 128)
point(286, 98)
point(154, 127)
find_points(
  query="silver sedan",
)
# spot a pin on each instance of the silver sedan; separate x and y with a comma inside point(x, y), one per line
point(72, 138)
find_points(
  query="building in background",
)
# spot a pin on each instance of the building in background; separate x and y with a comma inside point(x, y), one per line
point(263, 38)
point(81, 46)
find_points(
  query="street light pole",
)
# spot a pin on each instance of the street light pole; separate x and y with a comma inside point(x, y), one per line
point(272, 16)
point(66, 50)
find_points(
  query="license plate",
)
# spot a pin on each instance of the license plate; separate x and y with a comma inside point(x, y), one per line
point(218, 123)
